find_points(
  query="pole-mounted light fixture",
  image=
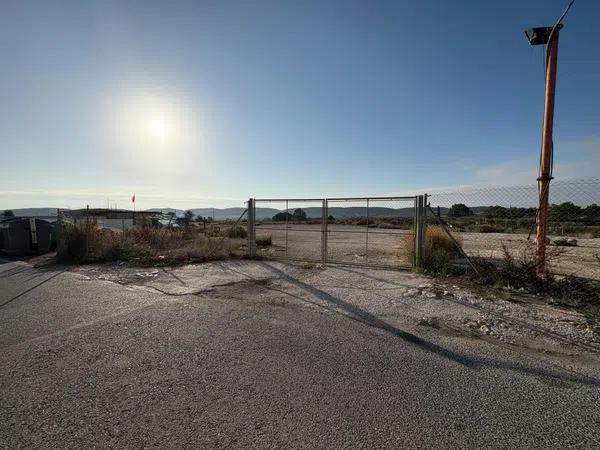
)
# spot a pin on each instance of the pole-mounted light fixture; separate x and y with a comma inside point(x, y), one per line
point(540, 35)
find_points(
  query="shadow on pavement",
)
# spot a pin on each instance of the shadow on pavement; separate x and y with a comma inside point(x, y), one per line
point(26, 291)
point(369, 319)
point(491, 312)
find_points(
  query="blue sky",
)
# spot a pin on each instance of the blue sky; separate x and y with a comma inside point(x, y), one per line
point(193, 104)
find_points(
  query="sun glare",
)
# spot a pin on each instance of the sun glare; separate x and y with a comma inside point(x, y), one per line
point(154, 132)
point(159, 128)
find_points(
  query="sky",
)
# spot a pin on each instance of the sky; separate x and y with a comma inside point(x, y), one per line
point(208, 103)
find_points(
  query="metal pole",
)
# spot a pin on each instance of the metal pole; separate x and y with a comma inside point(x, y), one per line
point(87, 231)
point(251, 229)
point(415, 224)
point(326, 249)
point(546, 156)
point(418, 240)
point(287, 212)
point(367, 243)
point(324, 232)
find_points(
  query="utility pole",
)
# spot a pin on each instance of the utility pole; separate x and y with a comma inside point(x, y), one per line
point(546, 36)
point(547, 148)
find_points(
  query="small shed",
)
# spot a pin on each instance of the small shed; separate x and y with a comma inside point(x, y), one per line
point(25, 235)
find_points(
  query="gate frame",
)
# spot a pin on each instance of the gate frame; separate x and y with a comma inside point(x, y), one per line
point(419, 223)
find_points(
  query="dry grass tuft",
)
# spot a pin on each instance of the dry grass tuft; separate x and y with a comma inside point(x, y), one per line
point(439, 250)
point(264, 240)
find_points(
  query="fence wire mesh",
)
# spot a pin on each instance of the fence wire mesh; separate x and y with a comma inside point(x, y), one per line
point(371, 231)
point(363, 231)
point(488, 220)
point(290, 228)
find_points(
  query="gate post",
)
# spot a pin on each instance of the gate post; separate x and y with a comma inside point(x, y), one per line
point(419, 230)
point(251, 228)
point(324, 215)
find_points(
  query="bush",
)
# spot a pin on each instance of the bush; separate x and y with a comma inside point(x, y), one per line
point(438, 253)
point(459, 210)
point(263, 240)
point(237, 232)
point(485, 228)
point(519, 272)
point(86, 243)
point(264, 253)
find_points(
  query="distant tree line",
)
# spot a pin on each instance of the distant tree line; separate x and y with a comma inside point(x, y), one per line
point(562, 212)
point(297, 215)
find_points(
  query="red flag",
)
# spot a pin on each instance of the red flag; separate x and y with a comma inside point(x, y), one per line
point(133, 198)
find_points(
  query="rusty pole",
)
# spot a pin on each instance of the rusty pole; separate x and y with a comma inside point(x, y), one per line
point(546, 157)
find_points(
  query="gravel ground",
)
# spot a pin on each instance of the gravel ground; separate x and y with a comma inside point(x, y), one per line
point(348, 244)
point(262, 354)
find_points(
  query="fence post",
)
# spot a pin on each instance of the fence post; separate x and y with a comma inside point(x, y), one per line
point(324, 216)
point(424, 226)
point(419, 227)
point(416, 245)
point(87, 231)
point(251, 229)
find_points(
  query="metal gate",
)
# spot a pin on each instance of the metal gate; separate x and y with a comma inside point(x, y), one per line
point(367, 231)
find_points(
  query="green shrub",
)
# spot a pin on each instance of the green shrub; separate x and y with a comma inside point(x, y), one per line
point(264, 253)
point(237, 232)
point(486, 228)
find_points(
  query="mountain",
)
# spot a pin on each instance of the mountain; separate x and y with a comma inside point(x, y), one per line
point(338, 212)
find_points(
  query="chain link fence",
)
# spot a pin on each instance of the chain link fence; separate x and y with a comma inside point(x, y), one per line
point(361, 231)
point(489, 220)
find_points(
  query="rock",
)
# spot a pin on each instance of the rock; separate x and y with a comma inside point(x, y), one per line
point(568, 242)
point(429, 322)
point(147, 274)
point(485, 329)
point(472, 324)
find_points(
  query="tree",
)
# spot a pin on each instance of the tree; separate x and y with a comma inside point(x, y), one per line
point(299, 214)
point(9, 213)
point(282, 216)
point(496, 212)
point(591, 214)
point(459, 210)
point(564, 211)
point(188, 215)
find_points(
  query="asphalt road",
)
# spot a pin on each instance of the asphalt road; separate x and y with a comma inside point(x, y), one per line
point(87, 363)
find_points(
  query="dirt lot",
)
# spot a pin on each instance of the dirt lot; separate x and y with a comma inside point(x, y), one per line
point(347, 243)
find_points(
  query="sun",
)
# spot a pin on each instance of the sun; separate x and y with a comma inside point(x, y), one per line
point(159, 128)
point(153, 132)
